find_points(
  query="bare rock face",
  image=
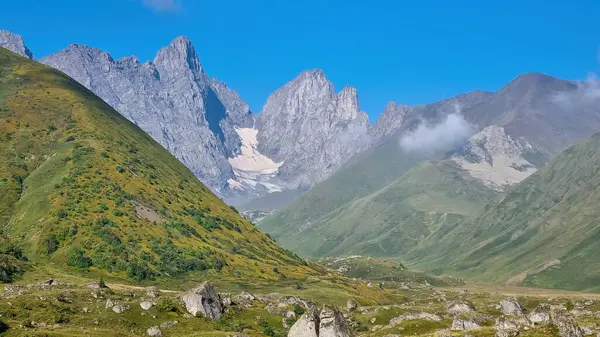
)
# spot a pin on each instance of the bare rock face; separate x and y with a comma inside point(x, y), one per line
point(307, 325)
point(204, 300)
point(333, 324)
point(14, 43)
point(459, 307)
point(311, 129)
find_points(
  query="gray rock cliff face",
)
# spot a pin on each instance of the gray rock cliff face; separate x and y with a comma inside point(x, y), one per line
point(310, 129)
point(171, 99)
point(14, 43)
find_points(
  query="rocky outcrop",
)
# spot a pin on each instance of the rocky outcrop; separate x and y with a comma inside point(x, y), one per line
point(566, 324)
point(495, 158)
point(351, 305)
point(329, 322)
point(413, 316)
point(203, 300)
point(307, 325)
point(333, 324)
point(14, 43)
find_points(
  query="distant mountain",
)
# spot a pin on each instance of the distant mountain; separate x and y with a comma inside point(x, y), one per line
point(510, 136)
point(542, 232)
point(14, 43)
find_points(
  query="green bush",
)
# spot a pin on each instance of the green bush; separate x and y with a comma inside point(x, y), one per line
point(76, 258)
point(139, 271)
point(50, 245)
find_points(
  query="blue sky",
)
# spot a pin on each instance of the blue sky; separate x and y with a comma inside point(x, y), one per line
point(411, 52)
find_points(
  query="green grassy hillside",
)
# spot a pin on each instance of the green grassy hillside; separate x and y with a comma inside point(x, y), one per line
point(85, 191)
point(390, 221)
point(543, 232)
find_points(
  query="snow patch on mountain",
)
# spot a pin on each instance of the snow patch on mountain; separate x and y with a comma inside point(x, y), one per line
point(253, 170)
point(495, 158)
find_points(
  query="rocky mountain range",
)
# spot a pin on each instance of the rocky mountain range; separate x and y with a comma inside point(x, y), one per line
point(305, 132)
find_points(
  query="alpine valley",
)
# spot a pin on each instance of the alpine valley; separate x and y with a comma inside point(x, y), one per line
point(121, 180)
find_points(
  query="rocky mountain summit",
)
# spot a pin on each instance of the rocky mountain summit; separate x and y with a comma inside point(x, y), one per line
point(14, 43)
point(311, 129)
point(495, 158)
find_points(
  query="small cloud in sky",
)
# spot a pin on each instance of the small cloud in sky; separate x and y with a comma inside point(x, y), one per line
point(452, 131)
point(162, 5)
point(586, 94)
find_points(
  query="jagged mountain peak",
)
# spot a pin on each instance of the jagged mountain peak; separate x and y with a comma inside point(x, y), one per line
point(178, 54)
point(14, 43)
point(348, 105)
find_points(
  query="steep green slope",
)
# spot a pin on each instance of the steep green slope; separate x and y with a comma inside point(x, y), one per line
point(82, 188)
point(390, 221)
point(543, 232)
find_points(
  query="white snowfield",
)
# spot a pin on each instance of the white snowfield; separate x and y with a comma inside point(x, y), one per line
point(251, 167)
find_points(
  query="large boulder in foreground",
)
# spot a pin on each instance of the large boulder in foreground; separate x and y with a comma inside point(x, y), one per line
point(204, 300)
point(307, 325)
point(328, 322)
point(333, 324)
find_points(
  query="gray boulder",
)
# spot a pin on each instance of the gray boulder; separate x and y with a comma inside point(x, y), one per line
point(506, 327)
point(245, 299)
point(540, 315)
point(459, 307)
point(119, 308)
point(511, 306)
point(307, 325)
point(204, 300)
point(459, 324)
point(146, 305)
point(333, 324)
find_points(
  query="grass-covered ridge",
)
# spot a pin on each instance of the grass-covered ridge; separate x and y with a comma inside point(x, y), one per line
point(390, 221)
point(542, 232)
point(82, 188)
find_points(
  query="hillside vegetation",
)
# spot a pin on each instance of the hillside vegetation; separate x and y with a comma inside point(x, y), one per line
point(86, 191)
point(390, 221)
point(542, 232)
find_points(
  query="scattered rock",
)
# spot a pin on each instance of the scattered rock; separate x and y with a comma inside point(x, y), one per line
point(460, 324)
point(442, 333)
point(204, 300)
point(152, 292)
point(289, 314)
point(245, 299)
point(351, 305)
point(147, 305)
point(154, 332)
point(541, 314)
point(511, 306)
point(109, 303)
point(47, 283)
point(167, 325)
point(413, 316)
point(13, 288)
point(119, 308)
point(459, 307)
point(373, 320)
point(85, 310)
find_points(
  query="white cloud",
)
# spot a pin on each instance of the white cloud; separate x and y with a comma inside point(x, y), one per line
point(163, 5)
point(586, 94)
point(443, 136)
